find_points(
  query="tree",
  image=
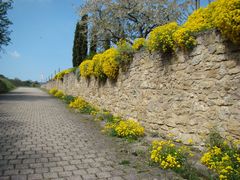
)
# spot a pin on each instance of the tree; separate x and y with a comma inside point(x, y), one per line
point(4, 23)
point(130, 19)
point(80, 44)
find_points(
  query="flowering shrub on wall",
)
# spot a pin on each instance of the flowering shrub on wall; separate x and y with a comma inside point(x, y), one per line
point(226, 18)
point(98, 66)
point(61, 74)
point(161, 38)
point(110, 64)
point(86, 68)
point(139, 43)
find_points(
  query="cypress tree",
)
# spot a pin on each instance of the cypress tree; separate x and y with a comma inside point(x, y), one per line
point(76, 46)
point(80, 42)
point(93, 43)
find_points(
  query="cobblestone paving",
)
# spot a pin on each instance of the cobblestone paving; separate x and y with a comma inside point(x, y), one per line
point(41, 139)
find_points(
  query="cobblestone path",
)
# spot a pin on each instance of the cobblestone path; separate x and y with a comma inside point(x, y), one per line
point(41, 139)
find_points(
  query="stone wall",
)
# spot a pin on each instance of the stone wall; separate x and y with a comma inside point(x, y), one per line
point(186, 94)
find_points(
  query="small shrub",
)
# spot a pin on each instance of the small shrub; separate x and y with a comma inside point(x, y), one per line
point(184, 38)
point(68, 99)
point(199, 21)
point(86, 68)
point(167, 155)
point(139, 43)
point(104, 116)
point(129, 129)
point(110, 64)
point(53, 91)
point(125, 54)
point(60, 75)
point(82, 106)
point(98, 67)
point(59, 94)
point(226, 18)
point(222, 157)
point(160, 38)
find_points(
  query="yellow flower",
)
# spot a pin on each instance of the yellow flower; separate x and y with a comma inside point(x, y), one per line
point(139, 43)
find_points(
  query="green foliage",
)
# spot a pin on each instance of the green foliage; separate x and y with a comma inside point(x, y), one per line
point(5, 85)
point(5, 23)
point(68, 99)
point(79, 52)
point(125, 54)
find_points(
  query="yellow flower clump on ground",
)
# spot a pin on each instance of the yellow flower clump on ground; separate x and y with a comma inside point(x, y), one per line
point(53, 91)
point(224, 160)
point(129, 128)
point(59, 94)
point(167, 155)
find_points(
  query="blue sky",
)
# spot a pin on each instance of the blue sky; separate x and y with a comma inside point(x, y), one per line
point(42, 38)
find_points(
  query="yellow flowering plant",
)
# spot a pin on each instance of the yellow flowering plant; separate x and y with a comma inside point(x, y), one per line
point(125, 54)
point(60, 75)
point(223, 159)
point(86, 68)
point(98, 66)
point(129, 129)
point(53, 91)
point(167, 155)
point(59, 94)
point(82, 106)
point(139, 43)
point(110, 65)
point(161, 38)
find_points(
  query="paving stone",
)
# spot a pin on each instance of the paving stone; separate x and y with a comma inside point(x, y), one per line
point(103, 175)
point(56, 169)
point(65, 174)
point(70, 168)
point(50, 175)
point(89, 177)
point(19, 177)
point(41, 170)
point(26, 171)
point(79, 172)
point(35, 176)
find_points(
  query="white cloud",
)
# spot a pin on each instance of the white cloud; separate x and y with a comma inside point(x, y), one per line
point(15, 54)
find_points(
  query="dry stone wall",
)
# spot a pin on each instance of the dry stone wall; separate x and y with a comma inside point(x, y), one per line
point(186, 94)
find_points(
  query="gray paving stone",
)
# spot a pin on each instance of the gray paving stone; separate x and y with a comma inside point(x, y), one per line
point(19, 177)
point(50, 175)
point(35, 176)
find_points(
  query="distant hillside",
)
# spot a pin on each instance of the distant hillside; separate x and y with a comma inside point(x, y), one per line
point(7, 84)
